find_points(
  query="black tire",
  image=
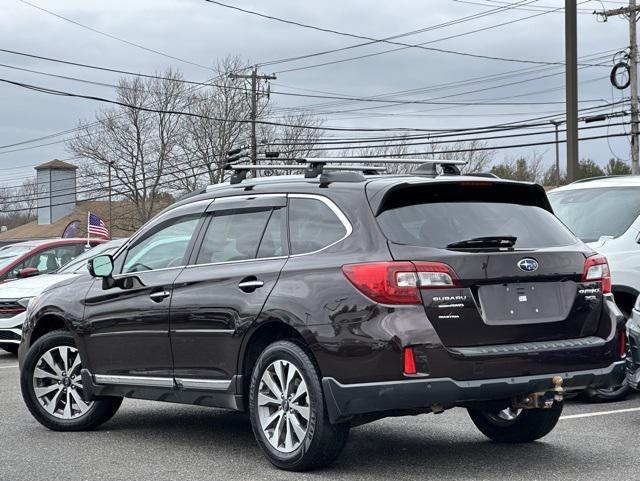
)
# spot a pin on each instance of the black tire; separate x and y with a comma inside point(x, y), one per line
point(12, 348)
point(323, 441)
point(100, 412)
point(529, 425)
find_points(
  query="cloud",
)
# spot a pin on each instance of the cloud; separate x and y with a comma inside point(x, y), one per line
point(201, 32)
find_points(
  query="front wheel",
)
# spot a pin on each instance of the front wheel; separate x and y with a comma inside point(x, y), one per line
point(52, 387)
point(287, 410)
point(516, 426)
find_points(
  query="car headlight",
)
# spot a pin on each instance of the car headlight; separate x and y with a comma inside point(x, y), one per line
point(25, 301)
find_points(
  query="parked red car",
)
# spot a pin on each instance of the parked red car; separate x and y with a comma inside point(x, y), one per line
point(31, 258)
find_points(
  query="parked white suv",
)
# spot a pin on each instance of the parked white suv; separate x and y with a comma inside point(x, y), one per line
point(605, 213)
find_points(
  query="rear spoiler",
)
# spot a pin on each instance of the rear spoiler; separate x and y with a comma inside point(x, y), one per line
point(457, 190)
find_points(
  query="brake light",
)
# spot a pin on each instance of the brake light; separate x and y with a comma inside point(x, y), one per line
point(399, 282)
point(409, 361)
point(596, 268)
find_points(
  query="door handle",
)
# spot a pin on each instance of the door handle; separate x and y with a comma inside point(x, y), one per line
point(159, 296)
point(250, 284)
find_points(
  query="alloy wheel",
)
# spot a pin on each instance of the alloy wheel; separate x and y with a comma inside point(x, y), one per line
point(283, 406)
point(57, 383)
point(506, 416)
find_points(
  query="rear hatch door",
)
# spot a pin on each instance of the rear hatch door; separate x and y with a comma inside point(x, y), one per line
point(518, 269)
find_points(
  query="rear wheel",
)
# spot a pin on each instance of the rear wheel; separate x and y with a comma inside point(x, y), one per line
point(287, 410)
point(52, 387)
point(12, 348)
point(516, 426)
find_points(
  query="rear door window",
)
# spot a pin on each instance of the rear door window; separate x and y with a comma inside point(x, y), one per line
point(313, 225)
point(233, 236)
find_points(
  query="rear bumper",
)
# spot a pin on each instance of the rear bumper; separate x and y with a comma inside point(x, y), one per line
point(633, 359)
point(347, 400)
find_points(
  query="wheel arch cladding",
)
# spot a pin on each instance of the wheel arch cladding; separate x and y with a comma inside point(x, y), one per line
point(256, 342)
point(46, 324)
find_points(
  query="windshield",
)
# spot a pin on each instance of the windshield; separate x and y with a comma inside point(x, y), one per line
point(10, 254)
point(439, 224)
point(596, 212)
point(80, 263)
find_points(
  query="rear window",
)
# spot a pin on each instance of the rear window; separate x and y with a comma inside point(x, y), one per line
point(436, 220)
point(588, 212)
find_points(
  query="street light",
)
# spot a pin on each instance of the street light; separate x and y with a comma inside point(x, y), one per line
point(556, 124)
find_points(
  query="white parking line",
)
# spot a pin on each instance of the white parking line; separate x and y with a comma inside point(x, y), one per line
point(8, 367)
point(600, 413)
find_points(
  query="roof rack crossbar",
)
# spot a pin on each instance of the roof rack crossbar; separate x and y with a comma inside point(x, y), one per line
point(240, 171)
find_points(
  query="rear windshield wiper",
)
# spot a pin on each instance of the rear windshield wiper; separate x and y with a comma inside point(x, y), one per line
point(500, 242)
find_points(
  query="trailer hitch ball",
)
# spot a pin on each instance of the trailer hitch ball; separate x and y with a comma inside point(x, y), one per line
point(558, 389)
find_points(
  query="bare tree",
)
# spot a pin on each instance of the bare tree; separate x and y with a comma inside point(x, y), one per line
point(524, 168)
point(220, 125)
point(474, 152)
point(139, 145)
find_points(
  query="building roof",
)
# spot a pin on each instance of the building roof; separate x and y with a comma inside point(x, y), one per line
point(123, 215)
point(56, 165)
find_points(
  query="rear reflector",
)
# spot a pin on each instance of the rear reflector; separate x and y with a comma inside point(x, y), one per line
point(409, 361)
point(596, 269)
point(623, 344)
point(399, 282)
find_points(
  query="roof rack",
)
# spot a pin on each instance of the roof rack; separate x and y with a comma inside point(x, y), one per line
point(316, 166)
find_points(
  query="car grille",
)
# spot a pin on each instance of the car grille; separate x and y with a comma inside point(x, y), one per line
point(9, 309)
point(9, 336)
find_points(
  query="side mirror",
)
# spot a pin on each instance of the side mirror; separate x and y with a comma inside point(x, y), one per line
point(101, 266)
point(28, 272)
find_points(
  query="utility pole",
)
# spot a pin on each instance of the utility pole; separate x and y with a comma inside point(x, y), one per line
point(255, 94)
point(631, 13)
point(571, 75)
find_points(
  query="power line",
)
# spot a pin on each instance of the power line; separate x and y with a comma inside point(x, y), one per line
point(113, 37)
point(392, 42)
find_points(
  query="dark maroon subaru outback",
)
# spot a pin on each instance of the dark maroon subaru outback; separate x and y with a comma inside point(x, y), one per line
point(320, 302)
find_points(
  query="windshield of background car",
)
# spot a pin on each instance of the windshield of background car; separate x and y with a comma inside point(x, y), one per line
point(79, 264)
point(595, 212)
point(10, 254)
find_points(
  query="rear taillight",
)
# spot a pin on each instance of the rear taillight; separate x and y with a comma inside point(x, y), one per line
point(399, 282)
point(596, 269)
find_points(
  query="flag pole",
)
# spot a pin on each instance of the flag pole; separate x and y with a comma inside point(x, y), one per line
point(88, 217)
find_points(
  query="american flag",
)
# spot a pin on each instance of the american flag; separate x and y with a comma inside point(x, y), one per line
point(97, 227)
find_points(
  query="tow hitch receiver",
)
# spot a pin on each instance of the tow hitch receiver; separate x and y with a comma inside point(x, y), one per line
point(541, 400)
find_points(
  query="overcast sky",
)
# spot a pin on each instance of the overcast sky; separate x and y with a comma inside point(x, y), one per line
point(198, 32)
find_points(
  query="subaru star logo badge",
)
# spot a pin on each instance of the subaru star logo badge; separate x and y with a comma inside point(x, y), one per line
point(528, 265)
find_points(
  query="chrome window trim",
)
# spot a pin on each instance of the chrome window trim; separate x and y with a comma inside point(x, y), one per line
point(191, 266)
point(204, 384)
point(337, 212)
point(130, 274)
point(166, 382)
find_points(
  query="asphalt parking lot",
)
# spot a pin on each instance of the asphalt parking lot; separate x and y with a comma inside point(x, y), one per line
point(156, 441)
